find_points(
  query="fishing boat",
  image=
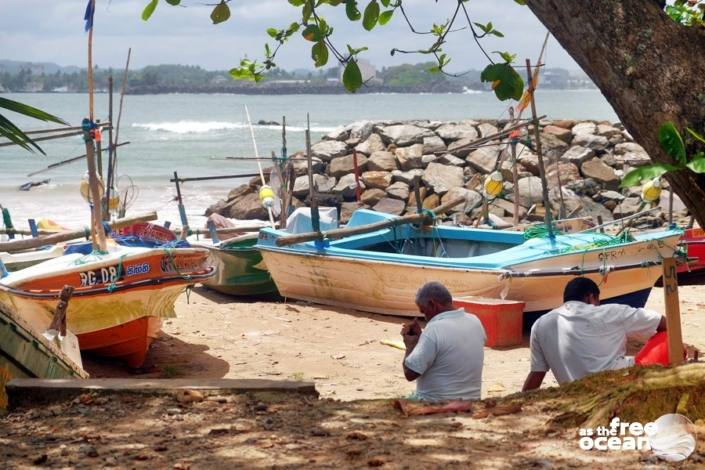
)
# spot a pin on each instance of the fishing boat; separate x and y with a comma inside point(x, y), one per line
point(27, 258)
point(380, 271)
point(26, 353)
point(692, 270)
point(239, 268)
point(120, 296)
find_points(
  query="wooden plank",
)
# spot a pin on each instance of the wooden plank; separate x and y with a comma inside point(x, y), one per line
point(673, 312)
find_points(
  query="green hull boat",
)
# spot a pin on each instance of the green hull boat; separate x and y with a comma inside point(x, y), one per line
point(25, 353)
point(239, 269)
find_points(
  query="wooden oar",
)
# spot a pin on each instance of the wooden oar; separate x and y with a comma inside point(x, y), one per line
point(29, 243)
point(348, 231)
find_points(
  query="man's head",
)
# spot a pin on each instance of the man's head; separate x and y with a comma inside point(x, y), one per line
point(582, 289)
point(433, 298)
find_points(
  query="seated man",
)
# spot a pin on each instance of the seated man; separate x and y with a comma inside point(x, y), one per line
point(582, 337)
point(446, 357)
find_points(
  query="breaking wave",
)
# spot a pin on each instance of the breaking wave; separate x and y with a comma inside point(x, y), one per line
point(201, 127)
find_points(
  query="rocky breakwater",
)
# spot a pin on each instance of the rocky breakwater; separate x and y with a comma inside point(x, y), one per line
point(588, 157)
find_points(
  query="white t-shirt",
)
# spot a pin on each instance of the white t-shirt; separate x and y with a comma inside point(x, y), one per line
point(578, 339)
point(449, 357)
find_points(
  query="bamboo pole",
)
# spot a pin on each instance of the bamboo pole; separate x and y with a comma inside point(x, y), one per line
point(539, 153)
point(222, 177)
point(502, 133)
point(111, 150)
point(349, 231)
point(66, 162)
point(313, 201)
point(29, 243)
point(99, 242)
point(123, 86)
point(259, 165)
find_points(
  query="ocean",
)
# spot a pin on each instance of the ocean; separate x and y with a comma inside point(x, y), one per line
point(193, 133)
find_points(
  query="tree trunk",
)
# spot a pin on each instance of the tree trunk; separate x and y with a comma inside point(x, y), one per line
point(648, 67)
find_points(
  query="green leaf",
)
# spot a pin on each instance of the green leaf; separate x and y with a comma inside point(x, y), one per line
point(371, 16)
point(506, 82)
point(695, 135)
point(697, 165)
point(13, 133)
point(672, 142)
point(385, 3)
point(319, 54)
point(173, 2)
point(312, 33)
point(220, 13)
point(647, 172)
point(352, 77)
point(385, 16)
point(520, 2)
point(149, 9)
point(297, 3)
point(30, 111)
point(506, 56)
point(352, 11)
point(273, 32)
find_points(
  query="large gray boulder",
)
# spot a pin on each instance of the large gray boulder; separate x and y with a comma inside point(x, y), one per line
point(372, 144)
point(248, 207)
point(300, 164)
point(568, 173)
point(372, 196)
point(578, 154)
point(440, 178)
point(382, 161)
point(529, 191)
point(347, 186)
point(323, 183)
point(595, 142)
point(360, 130)
point(407, 176)
point(343, 165)
point(398, 190)
point(600, 172)
point(553, 147)
point(472, 199)
point(433, 144)
point(461, 147)
point(629, 206)
point(450, 132)
point(584, 128)
point(389, 205)
point(410, 157)
point(377, 179)
point(562, 133)
point(484, 159)
point(486, 129)
point(404, 134)
point(328, 149)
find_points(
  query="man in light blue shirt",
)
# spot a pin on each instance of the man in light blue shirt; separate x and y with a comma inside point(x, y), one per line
point(446, 357)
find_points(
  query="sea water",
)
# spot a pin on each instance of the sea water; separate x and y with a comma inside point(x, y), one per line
point(194, 133)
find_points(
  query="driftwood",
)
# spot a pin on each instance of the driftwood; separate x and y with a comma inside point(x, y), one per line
point(348, 231)
point(58, 323)
point(29, 243)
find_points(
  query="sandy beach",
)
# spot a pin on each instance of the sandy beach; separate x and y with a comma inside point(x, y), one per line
point(216, 336)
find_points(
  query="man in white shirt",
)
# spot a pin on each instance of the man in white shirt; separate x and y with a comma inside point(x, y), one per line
point(445, 358)
point(582, 337)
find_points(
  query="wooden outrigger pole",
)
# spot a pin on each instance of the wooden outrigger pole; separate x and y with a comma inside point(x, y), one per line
point(98, 233)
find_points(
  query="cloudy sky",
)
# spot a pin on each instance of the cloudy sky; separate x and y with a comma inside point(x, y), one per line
point(52, 31)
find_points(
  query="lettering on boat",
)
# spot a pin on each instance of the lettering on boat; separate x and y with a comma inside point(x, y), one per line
point(99, 276)
point(136, 269)
point(611, 255)
point(181, 264)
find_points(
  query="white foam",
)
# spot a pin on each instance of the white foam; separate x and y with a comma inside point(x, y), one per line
point(201, 127)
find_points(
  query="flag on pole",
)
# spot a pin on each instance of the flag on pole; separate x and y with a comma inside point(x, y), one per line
point(88, 16)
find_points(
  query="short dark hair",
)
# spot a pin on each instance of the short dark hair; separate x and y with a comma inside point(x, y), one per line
point(579, 289)
point(433, 291)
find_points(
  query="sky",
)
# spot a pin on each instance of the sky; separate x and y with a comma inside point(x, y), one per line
point(52, 31)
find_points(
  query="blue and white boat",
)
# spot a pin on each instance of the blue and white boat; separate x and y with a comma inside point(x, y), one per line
point(380, 271)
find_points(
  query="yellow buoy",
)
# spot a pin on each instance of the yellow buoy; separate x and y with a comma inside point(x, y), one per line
point(86, 190)
point(266, 195)
point(651, 191)
point(493, 184)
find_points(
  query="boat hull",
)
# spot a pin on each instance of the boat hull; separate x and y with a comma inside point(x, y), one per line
point(118, 301)
point(128, 342)
point(239, 271)
point(390, 288)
